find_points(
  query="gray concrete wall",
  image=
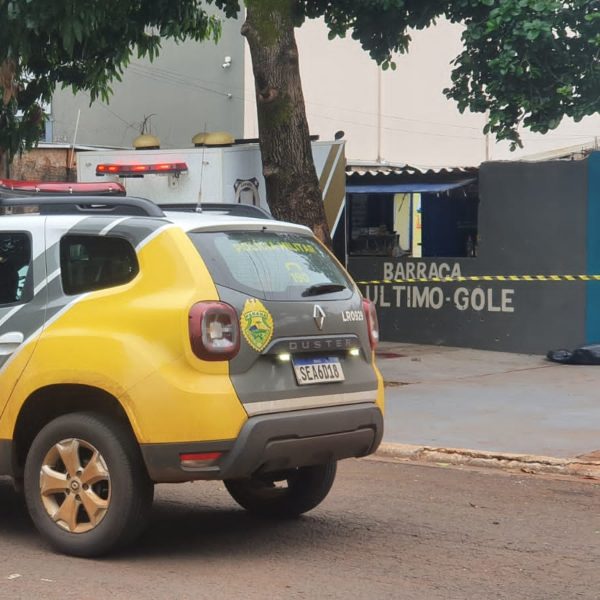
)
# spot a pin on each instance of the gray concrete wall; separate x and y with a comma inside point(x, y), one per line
point(185, 88)
point(533, 217)
point(532, 221)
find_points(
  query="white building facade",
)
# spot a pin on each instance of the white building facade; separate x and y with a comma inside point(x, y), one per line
point(402, 116)
point(394, 117)
point(190, 88)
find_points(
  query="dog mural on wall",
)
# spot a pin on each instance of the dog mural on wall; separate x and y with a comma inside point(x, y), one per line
point(246, 191)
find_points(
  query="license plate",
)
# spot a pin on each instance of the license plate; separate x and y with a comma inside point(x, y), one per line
point(317, 370)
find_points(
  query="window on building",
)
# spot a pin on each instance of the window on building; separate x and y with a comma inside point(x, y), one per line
point(371, 225)
point(16, 286)
point(95, 262)
point(427, 223)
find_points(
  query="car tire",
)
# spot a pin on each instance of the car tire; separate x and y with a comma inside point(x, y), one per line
point(86, 487)
point(304, 488)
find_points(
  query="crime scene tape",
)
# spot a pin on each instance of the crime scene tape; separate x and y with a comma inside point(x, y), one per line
point(480, 278)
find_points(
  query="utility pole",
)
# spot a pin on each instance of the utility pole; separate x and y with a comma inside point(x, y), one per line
point(379, 104)
point(487, 139)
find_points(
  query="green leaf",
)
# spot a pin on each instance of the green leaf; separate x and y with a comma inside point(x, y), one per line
point(77, 30)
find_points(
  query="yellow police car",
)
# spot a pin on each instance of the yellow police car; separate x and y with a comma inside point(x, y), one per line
point(139, 346)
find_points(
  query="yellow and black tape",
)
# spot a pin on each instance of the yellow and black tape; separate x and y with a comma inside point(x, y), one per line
point(480, 278)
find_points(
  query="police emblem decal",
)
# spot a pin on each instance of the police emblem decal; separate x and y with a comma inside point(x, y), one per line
point(256, 324)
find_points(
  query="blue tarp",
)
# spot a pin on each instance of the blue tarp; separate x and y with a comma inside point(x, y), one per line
point(406, 188)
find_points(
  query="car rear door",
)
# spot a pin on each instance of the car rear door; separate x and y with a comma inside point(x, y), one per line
point(305, 341)
point(23, 295)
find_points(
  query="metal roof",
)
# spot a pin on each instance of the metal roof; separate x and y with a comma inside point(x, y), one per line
point(67, 146)
point(577, 152)
point(375, 169)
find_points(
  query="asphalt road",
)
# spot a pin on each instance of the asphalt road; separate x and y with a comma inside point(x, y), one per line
point(386, 531)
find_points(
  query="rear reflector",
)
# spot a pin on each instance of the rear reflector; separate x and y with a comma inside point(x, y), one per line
point(194, 460)
point(139, 170)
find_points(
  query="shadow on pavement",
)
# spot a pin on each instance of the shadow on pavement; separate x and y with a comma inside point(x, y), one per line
point(14, 520)
point(216, 532)
point(204, 525)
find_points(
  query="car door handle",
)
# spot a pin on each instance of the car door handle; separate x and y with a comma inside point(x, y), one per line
point(10, 341)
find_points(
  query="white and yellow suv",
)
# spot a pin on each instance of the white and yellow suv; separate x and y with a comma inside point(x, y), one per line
point(141, 347)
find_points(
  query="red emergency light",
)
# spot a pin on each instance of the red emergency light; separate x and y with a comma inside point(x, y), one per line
point(60, 187)
point(139, 170)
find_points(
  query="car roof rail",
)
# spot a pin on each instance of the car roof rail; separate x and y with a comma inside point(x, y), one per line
point(228, 208)
point(80, 205)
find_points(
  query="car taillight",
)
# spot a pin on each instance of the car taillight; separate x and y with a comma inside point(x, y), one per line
point(372, 322)
point(214, 331)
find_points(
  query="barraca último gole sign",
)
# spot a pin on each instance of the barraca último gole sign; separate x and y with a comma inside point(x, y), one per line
point(401, 287)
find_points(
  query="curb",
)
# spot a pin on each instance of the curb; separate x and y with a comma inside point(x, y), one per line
point(498, 460)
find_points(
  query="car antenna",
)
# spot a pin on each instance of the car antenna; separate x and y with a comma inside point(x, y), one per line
point(199, 203)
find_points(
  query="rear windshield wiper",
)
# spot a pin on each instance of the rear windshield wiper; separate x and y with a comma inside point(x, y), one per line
point(323, 288)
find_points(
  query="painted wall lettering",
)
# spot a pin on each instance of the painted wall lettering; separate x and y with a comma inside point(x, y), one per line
point(419, 270)
point(436, 297)
point(484, 299)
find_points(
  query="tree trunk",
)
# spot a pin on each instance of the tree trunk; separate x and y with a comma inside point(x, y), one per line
point(9, 90)
point(293, 190)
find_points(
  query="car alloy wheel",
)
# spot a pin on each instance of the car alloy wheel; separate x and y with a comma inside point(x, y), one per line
point(75, 485)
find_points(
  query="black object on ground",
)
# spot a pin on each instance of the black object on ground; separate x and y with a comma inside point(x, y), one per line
point(585, 355)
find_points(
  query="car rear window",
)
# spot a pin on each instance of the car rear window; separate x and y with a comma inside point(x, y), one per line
point(272, 265)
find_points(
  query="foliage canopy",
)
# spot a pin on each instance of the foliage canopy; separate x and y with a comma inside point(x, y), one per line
point(527, 62)
point(84, 44)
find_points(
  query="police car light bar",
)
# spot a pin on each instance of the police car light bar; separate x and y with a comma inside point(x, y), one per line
point(139, 170)
point(16, 188)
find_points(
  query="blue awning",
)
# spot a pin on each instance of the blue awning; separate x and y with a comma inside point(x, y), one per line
point(407, 188)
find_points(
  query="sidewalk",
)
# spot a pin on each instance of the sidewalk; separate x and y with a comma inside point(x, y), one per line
point(493, 402)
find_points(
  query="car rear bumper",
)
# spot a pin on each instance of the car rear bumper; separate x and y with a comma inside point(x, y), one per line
point(275, 442)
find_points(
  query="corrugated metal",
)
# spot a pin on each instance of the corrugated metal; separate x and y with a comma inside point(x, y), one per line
point(405, 170)
point(577, 152)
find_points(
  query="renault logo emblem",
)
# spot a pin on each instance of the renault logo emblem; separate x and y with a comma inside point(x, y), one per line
point(319, 316)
